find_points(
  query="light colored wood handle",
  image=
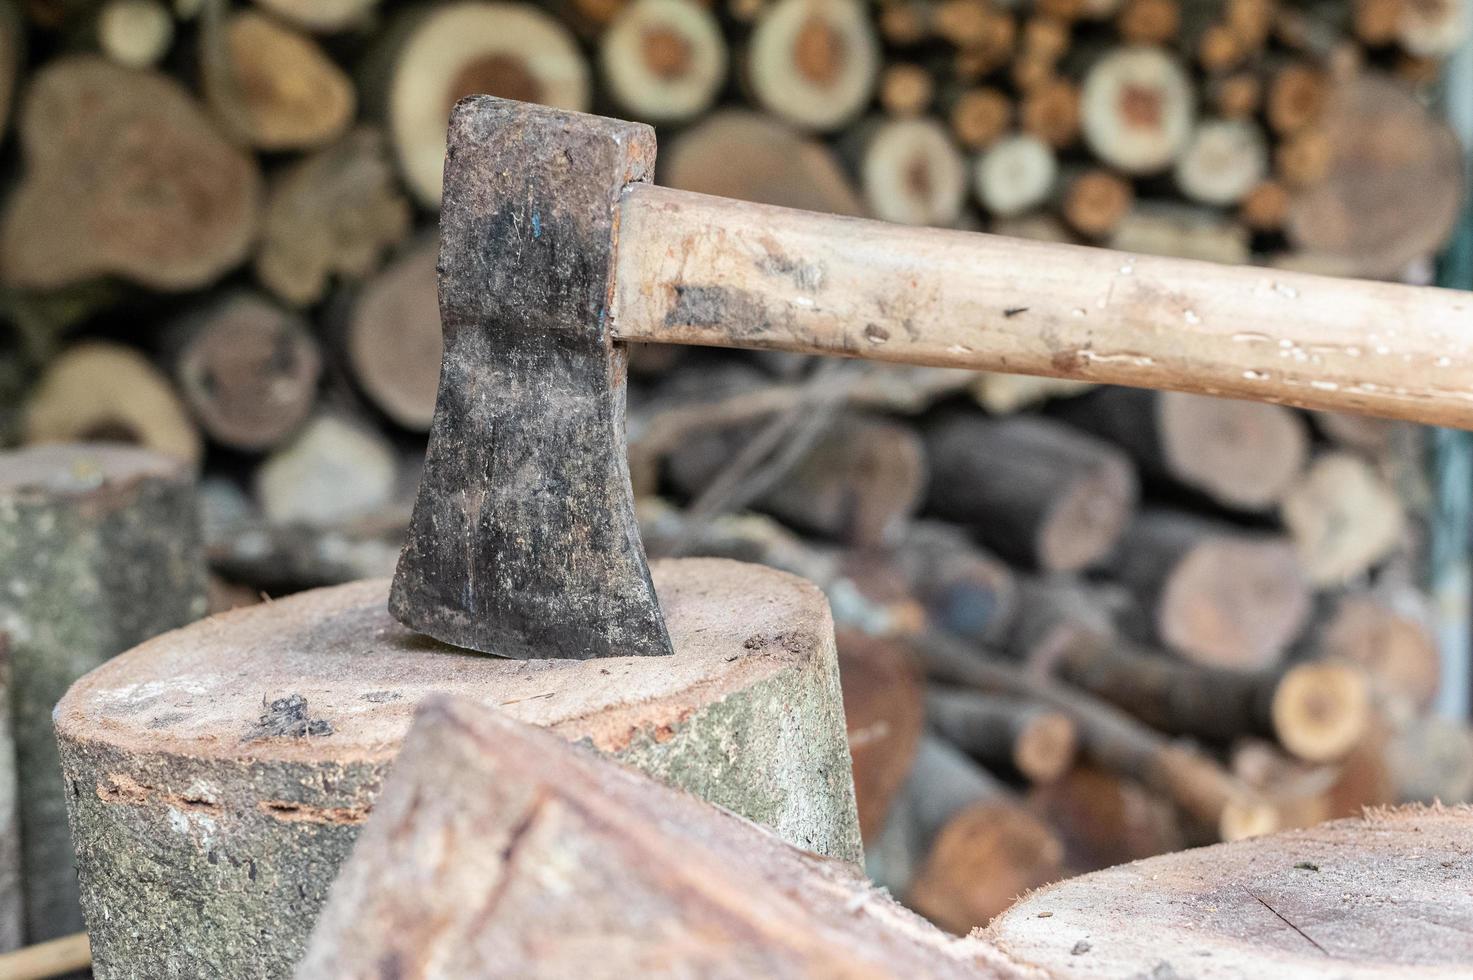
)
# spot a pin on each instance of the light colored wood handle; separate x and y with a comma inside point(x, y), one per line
point(705, 270)
point(49, 959)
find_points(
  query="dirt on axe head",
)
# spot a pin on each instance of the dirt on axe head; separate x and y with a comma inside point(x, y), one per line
point(523, 541)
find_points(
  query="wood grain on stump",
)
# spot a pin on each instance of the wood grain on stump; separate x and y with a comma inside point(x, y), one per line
point(545, 861)
point(1381, 896)
point(219, 775)
point(99, 550)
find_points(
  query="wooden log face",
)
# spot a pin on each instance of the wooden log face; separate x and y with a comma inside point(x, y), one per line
point(1138, 109)
point(249, 749)
point(664, 60)
point(1380, 896)
point(394, 342)
point(813, 62)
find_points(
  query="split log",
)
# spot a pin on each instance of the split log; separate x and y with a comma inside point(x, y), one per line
point(1138, 108)
point(1181, 231)
point(884, 715)
point(1104, 819)
point(1215, 595)
point(331, 215)
point(1095, 201)
point(663, 60)
point(271, 87)
point(92, 204)
point(1343, 518)
point(393, 337)
point(911, 172)
point(135, 33)
point(1222, 162)
point(1014, 175)
point(1004, 394)
point(906, 90)
point(1316, 711)
point(964, 590)
point(1280, 906)
point(813, 63)
point(323, 16)
point(99, 391)
point(333, 470)
point(1392, 184)
point(249, 795)
point(860, 482)
point(648, 879)
point(1240, 455)
point(1005, 734)
point(437, 54)
point(1111, 740)
point(1387, 632)
point(980, 116)
point(1034, 490)
point(100, 550)
point(751, 157)
point(982, 849)
point(1050, 112)
point(12, 870)
point(248, 371)
point(1149, 21)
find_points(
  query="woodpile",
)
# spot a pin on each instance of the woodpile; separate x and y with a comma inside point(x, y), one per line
point(1110, 622)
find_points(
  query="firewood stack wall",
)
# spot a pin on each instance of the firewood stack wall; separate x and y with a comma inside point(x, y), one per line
point(1077, 626)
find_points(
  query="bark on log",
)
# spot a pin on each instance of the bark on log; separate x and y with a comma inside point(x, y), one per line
point(1379, 895)
point(813, 63)
point(1241, 455)
point(884, 714)
point(437, 54)
point(92, 204)
point(1054, 615)
point(860, 482)
point(964, 590)
point(331, 216)
point(982, 849)
point(1215, 595)
point(663, 60)
point(1104, 819)
point(1006, 735)
point(751, 157)
point(244, 754)
point(100, 550)
point(1394, 177)
point(1015, 175)
point(105, 392)
point(271, 87)
point(1138, 108)
point(1343, 518)
point(1034, 490)
point(248, 371)
point(556, 863)
point(911, 172)
point(393, 337)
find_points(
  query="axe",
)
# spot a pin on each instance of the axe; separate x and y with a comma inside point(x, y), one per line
point(555, 248)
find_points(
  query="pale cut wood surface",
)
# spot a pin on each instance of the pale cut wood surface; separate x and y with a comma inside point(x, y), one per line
point(1384, 896)
point(702, 270)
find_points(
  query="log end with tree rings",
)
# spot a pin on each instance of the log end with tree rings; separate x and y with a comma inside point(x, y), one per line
point(814, 62)
point(1381, 895)
point(1344, 519)
point(913, 174)
point(1391, 181)
point(664, 60)
point(980, 116)
point(1224, 160)
point(99, 391)
point(1242, 455)
point(1096, 201)
point(509, 50)
point(394, 339)
point(1387, 632)
point(1138, 108)
point(1320, 711)
point(1015, 175)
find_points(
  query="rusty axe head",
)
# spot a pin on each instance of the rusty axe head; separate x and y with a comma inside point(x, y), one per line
point(523, 540)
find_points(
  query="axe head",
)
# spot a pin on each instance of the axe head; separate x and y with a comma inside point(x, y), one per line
point(523, 541)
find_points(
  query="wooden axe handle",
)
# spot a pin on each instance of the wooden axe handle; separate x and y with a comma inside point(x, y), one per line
point(693, 269)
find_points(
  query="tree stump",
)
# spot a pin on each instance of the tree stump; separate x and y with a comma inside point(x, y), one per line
point(219, 775)
point(1374, 897)
point(99, 550)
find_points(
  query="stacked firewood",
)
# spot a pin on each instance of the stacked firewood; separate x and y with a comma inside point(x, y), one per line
point(1078, 626)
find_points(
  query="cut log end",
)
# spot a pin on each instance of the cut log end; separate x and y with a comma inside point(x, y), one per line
point(664, 60)
point(394, 338)
point(1242, 454)
point(1138, 109)
point(1015, 175)
point(813, 63)
point(1389, 636)
point(1321, 710)
point(913, 174)
point(1046, 747)
point(1344, 519)
point(1096, 201)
